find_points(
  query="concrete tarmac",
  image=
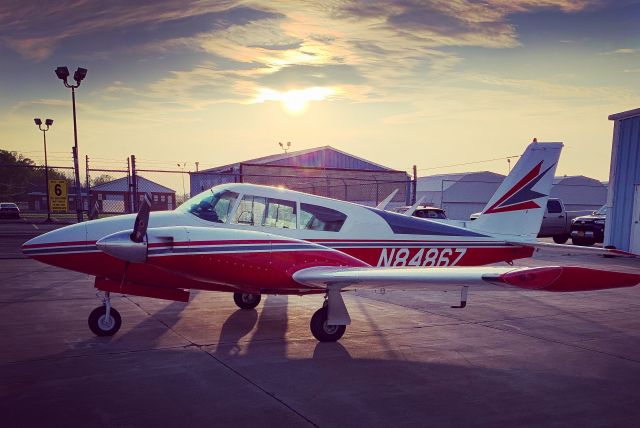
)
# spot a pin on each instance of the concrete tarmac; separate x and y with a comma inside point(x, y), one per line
point(511, 358)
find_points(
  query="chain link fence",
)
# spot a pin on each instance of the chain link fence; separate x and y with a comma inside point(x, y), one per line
point(359, 186)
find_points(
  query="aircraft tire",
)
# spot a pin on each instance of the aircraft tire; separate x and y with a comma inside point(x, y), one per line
point(583, 242)
point(246, 300)
point(102, 327)
point(561, 239)
point(322, 331)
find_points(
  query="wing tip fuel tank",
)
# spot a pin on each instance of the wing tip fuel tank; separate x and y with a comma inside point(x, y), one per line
point(567, 279)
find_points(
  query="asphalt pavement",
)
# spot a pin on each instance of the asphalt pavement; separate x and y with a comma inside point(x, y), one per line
point(511, 358)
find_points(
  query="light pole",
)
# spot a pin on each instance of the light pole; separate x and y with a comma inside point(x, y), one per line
point(47, 123)
point(78, 76)
point(285, 148)
point(182, 166)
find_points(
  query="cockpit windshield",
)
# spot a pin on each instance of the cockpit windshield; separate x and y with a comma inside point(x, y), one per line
point(601, 211)
point(210, 206)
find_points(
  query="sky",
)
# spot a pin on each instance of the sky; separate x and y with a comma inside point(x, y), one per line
point(401, 83)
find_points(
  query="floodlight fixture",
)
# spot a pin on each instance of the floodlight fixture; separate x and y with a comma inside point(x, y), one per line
point(79, 75)
point(62, 73)
point(37, 121)
point(48, 122)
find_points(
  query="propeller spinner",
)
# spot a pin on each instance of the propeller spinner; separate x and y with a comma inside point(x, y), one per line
point(129, 246)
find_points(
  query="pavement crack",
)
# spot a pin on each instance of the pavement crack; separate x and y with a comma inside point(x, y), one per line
point(265, 391)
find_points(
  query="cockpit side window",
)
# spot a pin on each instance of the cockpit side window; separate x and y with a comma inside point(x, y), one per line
point(315, 217)
point(280, 213)
point(251, 210)
point(209, 206)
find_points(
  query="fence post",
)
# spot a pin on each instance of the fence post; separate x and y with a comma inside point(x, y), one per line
point(415, 185)
point(134, 183)
point(86, 159)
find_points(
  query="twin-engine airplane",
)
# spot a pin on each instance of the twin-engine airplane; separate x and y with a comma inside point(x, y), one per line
point(252, 240)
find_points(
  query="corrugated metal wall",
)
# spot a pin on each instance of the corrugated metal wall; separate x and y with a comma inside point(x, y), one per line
point(625, 174)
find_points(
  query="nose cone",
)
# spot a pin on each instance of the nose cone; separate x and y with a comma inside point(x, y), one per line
point(69, 239)
point(120, 245)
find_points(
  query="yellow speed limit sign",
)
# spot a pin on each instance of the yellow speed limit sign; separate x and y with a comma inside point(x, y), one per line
point(58, 195)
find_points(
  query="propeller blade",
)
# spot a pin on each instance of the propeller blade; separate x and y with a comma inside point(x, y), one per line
point(142, 221)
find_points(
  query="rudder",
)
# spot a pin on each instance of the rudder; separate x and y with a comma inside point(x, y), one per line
point(517, 207)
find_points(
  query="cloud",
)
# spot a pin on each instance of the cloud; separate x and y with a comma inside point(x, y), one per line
point(364, 50)
point(621, 51)
point(26, 24)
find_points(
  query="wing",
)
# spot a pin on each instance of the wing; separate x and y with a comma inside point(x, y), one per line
point(573, 249)
point(552, 278)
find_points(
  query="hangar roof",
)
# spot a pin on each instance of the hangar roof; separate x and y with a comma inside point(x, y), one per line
point(324, 157)
point(625, 114)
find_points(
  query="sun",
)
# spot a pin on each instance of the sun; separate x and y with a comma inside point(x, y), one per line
point(294, 101)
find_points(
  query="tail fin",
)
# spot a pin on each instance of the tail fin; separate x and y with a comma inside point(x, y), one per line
point(519, 204)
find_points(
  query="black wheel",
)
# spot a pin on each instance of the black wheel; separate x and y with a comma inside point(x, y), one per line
point(246, 300)
point(100, 325)
point(321, 330)
point(560, 239)
point(584, 242)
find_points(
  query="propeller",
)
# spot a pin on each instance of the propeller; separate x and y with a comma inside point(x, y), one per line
point(142, 221)
point(126, 245)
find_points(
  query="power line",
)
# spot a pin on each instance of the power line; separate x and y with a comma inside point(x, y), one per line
point(470, 163)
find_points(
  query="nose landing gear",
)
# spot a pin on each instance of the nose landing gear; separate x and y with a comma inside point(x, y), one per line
point(105, 320)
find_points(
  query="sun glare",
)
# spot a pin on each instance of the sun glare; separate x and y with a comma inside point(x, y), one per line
point(294, 101)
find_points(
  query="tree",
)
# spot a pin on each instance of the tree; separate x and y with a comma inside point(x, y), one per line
point(101, 179)
point(19, 175)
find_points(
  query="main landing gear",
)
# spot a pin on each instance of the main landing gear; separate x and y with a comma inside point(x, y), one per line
point(105, 320)
point(246, 300)
point(327, 328)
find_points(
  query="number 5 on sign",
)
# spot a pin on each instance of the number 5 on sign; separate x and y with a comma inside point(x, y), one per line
point(58, 195)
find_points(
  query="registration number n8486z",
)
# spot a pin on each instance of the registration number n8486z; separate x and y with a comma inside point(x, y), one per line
point(393, 257)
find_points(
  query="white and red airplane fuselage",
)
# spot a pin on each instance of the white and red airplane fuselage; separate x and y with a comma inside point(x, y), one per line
point(252, 240)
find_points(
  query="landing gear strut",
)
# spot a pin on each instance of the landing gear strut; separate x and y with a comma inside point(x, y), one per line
point(246, 300)
point(105, 320)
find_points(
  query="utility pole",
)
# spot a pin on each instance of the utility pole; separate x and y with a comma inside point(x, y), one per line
point(415, 185)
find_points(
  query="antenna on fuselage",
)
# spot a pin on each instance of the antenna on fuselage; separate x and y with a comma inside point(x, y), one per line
point(382, 205)
point(411, 210)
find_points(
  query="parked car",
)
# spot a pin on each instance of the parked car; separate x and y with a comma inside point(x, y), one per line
point(9, 210)
point(589, 229)
point(556, 222)
point(424, 211)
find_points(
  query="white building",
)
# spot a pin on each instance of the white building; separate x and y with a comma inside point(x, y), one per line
point(460, 195)
point(463, 194)
point(579, 193)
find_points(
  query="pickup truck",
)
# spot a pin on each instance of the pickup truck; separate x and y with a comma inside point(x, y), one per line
point(589, 229)
point(556, 222)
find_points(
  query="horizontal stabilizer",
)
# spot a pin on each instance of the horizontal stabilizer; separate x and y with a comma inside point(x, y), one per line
point(573, 249)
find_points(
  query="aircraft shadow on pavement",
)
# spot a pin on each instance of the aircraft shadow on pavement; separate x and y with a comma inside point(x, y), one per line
point(330, 388)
